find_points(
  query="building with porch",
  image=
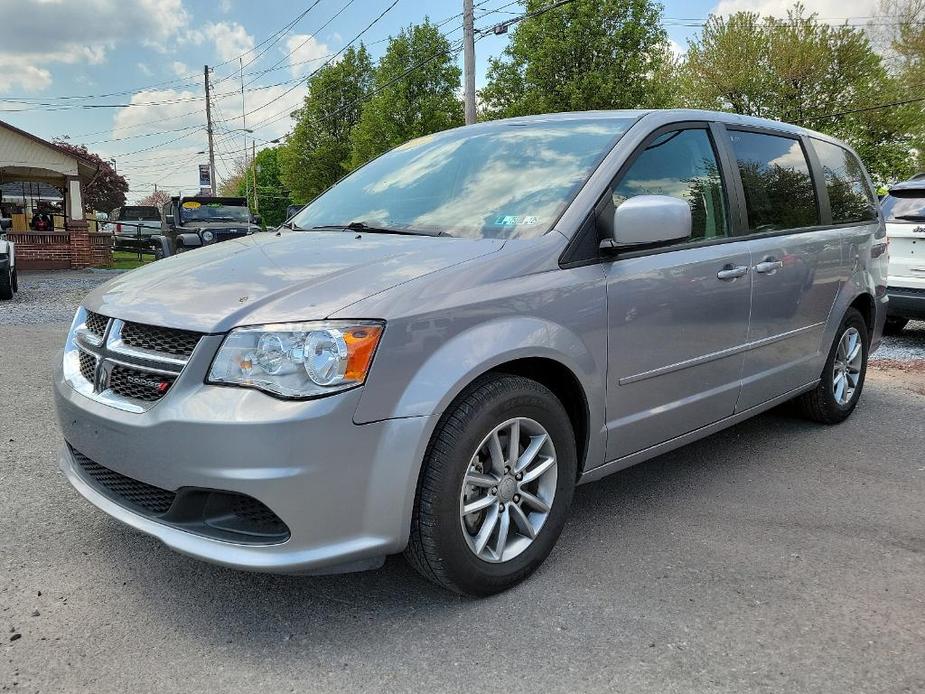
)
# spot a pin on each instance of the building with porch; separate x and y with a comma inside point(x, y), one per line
point(74, 241)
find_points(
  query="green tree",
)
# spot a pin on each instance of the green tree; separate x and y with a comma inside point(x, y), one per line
point(905, 44)
point(588, 54)
point(318, 151)
point(803, 71)
point(272, 196)
point(414, 93)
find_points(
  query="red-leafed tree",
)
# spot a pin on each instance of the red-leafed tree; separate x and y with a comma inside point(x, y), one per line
point(107, 190)
point(155, 199)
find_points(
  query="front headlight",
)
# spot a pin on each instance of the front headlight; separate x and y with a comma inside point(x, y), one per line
point(297, 360)
point(207, 236)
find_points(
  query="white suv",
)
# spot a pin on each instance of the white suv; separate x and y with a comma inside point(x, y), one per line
point(904, 212)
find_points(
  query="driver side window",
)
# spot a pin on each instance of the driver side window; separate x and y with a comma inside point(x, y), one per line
point(682, 164)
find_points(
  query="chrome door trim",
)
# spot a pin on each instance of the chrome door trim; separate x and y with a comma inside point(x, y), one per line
point(713, 356)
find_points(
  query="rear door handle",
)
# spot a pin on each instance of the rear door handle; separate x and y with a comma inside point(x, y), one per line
point(769, 265)
point(731, 272)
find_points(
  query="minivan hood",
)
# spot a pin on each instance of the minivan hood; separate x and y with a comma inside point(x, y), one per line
point(267, 278)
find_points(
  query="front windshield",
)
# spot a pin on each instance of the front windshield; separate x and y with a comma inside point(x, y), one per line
point(503, 180)
point(904, 206)
point(194, 211)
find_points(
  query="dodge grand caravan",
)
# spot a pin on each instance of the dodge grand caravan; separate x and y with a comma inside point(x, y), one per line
point(438, 349)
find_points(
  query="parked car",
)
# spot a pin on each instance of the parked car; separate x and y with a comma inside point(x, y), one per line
point(9, 283)
point(192, 222)
point(904, 210)
point(458, 333)
point(133, 228)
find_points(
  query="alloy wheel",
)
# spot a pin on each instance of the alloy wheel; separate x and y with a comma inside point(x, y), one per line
point(846, 369)
point(508, 490)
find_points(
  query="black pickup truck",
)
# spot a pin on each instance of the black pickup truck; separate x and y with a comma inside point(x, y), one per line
point(192, 222)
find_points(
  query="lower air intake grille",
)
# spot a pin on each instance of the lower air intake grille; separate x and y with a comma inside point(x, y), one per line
point(221, 515)
point(125, 490)
point(905, 290)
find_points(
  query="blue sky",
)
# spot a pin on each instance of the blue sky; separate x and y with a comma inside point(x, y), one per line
point(150, 53)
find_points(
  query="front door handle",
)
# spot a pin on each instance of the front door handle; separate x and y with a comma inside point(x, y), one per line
point(768, 266)
point(731, 272)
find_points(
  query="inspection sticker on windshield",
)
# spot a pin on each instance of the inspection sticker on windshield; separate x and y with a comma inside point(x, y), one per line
point(512, 220)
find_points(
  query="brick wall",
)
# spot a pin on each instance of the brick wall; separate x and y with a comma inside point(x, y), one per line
point(37, 250)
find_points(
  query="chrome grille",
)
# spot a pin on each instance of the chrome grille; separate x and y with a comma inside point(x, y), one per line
point(87, 366)
point(178, 343)
point(137, 384)
point(96, 323)
point(122, 364)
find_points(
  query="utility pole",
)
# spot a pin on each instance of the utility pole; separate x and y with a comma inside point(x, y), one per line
point(212, 182)
point(243, 123)
point(469, 60)
point(254, 166)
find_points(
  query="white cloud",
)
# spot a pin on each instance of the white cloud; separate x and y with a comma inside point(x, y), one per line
point(677, 50)
point(304, 52)
point(230, 39)
point(224, 6)
point(144, 69)
point(834, 11)
point(179, 69)
point(156, 110)
point(37, 34)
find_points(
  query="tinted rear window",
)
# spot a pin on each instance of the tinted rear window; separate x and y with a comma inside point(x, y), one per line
point(138, 212)
point(905, 206)
point(779, 191)
point(849, 196)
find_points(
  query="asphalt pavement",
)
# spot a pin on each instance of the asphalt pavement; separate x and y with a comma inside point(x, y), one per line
point(776, 556)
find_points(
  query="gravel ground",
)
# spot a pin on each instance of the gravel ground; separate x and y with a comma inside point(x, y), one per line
point(908, 346)
point(51, 296)
point(775, 556)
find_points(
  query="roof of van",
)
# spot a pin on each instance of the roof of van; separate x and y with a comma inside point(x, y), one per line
point(666, 116)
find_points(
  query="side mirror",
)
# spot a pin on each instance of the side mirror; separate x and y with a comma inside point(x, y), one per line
point(257, 219)
point(647, 219)
point(169, 219)
point(5, 224)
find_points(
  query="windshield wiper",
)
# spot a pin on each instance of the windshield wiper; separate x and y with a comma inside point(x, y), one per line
point(377, 229)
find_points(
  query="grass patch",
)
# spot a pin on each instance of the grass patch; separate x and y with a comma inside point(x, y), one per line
point(126, 260)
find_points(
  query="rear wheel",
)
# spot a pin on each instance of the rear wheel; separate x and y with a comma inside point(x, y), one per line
point(839, 389)
point(495, 488)
point(894, 325)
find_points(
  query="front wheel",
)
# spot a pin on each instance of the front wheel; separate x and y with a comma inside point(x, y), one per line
point(839, 389)
point(495, 489)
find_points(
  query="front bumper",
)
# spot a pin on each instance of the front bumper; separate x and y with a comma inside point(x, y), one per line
point(344, 490)
point(907, 302)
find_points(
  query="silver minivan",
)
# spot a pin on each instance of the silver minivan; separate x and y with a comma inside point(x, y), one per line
point(431, 355)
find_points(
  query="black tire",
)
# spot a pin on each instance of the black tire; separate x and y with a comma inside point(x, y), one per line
point(820, 404)
point(437, 547)
point(894, 325)
point(158, 253)
point(6, 284)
